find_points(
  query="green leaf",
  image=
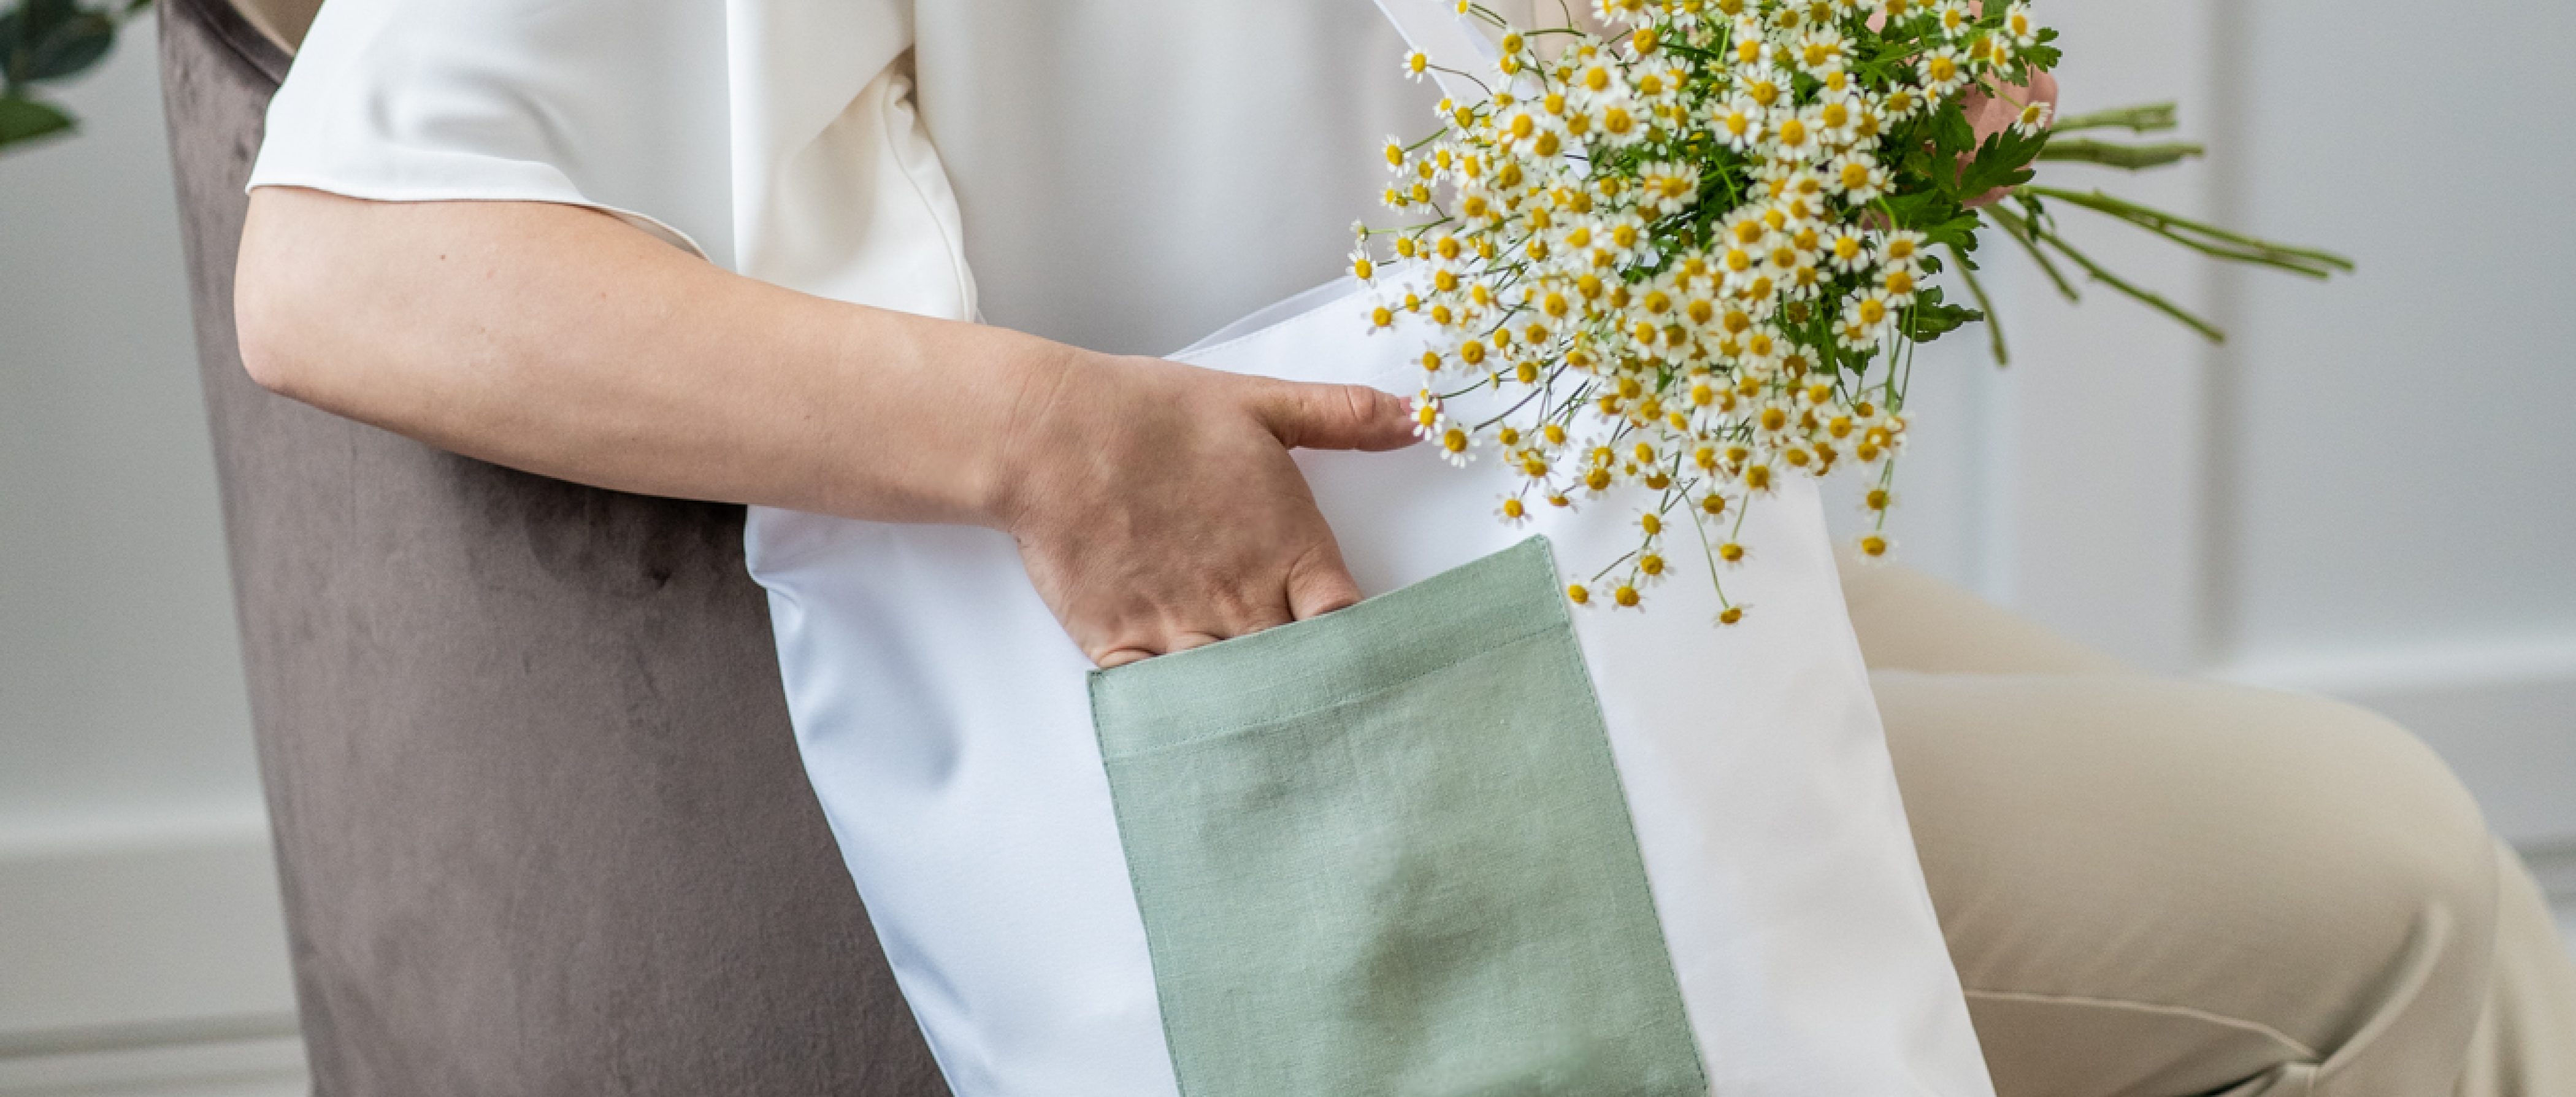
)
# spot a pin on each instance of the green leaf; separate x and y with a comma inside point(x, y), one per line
point(1931, 317)
point(47, 14)
point(2043, 56)
point(1952, 135)
point(1922, 209)
point(2003, 161)
point(24, 119)
point(1958, 231)
point(65, 49)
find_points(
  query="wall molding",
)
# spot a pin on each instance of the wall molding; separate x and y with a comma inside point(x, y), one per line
point(145, 953)
point(270, 1065)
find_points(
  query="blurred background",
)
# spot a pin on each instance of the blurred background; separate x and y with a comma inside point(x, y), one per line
point(2367, 492)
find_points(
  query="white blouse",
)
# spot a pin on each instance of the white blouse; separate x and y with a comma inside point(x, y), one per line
point(1124, 177)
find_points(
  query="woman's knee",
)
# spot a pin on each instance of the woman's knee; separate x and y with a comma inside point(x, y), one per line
point(2200, 777)
point(2291, 861)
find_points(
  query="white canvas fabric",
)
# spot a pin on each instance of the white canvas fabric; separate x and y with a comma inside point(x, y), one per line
point(941, 710)
point(1757, 777)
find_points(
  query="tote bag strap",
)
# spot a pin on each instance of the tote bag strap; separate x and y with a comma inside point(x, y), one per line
point(1446, 35)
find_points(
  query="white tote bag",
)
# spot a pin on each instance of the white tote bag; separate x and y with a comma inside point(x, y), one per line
point(945, 721)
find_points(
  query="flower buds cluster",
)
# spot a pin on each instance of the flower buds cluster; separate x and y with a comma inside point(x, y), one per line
point(1687, 254)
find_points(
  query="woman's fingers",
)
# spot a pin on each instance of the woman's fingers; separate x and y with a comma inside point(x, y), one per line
point(1319, 583)
point(1308, 416)
point(1162, 510)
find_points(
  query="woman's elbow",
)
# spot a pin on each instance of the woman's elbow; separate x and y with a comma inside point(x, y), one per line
point(274, 306)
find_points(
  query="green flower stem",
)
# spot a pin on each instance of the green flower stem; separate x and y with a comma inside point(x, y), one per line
point(2211, 239)
point(1976, 289)
point(2086, 150)
point(2144, 296)
point(2147, 118)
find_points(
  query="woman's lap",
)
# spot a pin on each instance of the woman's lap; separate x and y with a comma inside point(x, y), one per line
point(2164, 887)
point(2167, 887)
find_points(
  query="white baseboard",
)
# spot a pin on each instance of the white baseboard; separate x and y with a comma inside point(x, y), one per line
point(254, 1066)
point(145, 956)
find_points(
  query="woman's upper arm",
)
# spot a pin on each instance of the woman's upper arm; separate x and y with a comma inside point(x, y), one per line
point(340, 302)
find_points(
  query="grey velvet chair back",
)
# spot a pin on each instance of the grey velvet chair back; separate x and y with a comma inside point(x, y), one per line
point(539, 816)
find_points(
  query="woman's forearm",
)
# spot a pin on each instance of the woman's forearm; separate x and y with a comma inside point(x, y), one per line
point(562, 341)
point(1155, 504)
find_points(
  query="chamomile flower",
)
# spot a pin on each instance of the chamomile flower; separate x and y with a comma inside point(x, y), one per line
point(1838, 122)
point(1457, 446)
point(1618, 120)
point(1899, 284)
point(1635, 13)
point(1768, 87)
point(1796, 136)
point(2020, 27)
point(1428, 418)
point(2033, 118)
point(1667, 187)
point(1739, 122)
point(1859, 180)
point(1902, 249)
point(1822, 50)
point(1944, 71)
point(1953, 17)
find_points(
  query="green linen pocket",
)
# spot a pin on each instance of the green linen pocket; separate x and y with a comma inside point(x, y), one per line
point(1384, 851)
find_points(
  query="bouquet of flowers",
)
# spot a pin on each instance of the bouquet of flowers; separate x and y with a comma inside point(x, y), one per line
point(1688, 251)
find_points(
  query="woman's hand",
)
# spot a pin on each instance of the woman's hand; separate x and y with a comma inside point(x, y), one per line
point(1157, 508)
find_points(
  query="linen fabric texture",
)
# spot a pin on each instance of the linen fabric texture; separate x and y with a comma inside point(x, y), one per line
point(940, 712)
point(1385, 851)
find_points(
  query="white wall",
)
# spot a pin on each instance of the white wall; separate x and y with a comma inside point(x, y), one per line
point(140, 937)
point(2367, 492)
point(2364, 494)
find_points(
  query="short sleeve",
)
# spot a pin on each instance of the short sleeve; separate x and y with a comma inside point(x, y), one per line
point(679, 116)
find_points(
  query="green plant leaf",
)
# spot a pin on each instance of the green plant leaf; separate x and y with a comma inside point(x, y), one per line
point(65, 49)
point(1931, 317)
point(24, 119)
point(1952, 135)
point(1958, 231)
point(2003, 161)
point(2044, 55)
